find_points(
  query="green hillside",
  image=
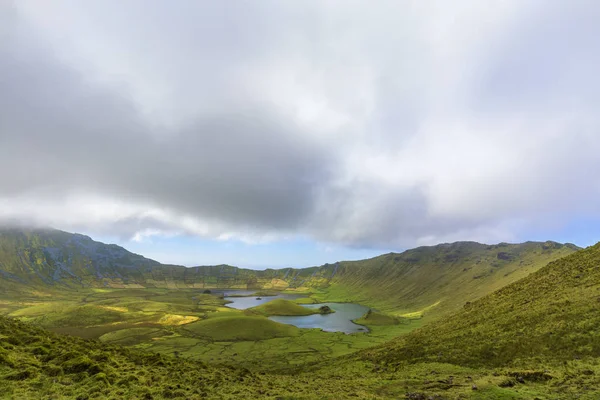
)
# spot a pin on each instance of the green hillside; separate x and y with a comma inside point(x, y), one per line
point(437, 279)
point(48, 258)
point(549, 316)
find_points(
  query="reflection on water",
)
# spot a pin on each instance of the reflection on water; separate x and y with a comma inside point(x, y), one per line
point(339, 321)
point(241, 303)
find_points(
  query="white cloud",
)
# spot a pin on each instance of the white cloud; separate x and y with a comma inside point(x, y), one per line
point(387, 124)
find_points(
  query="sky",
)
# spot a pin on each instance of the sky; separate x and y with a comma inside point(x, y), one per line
point(293, 133)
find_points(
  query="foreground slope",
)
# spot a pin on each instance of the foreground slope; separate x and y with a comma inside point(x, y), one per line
point(35, 364)
point(553, 315)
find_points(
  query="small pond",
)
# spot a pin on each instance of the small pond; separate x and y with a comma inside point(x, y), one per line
point(241, 303)
point(339, 321)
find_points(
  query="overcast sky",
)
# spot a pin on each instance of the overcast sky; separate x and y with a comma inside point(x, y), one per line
point(275, 133)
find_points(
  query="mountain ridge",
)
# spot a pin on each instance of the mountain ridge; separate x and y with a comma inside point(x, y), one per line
point(549, 316)
point(427, 279)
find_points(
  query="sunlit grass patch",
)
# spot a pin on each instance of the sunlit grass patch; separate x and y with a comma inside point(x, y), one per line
point(419, 313)
point(133, 335)
point(175, 320)
point(99, 290)
point(373, 318)
point(118, 309)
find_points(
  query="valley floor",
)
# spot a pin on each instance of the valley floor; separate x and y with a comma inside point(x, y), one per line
point(191, 324)
point(300, 364)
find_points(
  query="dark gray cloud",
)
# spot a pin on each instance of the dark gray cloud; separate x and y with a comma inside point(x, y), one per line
point(387, 125)
point(244, 165)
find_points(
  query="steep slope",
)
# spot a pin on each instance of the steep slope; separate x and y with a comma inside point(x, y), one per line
point(51, 258)
point(550, 316)
point(437, 279)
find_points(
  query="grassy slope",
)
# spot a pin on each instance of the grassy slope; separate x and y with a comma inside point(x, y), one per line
point(35, 362)
point(438, 279)
point(549, 316)
point(45, 258)
point(372, 318)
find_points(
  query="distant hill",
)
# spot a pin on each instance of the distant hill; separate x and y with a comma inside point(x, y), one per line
point(43, 258)
point(435, 279)
point(431, 280)
point(549, 316)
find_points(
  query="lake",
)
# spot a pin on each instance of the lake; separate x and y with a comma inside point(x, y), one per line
point(241, 303)
point(339, 321)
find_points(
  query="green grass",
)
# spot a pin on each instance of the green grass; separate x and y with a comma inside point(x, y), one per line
point(133, 335)
point(62, 314)
point(265, 293)
point(550, 316)
point(281, 307)
point(305, 300)
point(35, 363)
point(372, 318)
point(433, 281)
point(125, 315)
point(160, 310)
point(239, 328)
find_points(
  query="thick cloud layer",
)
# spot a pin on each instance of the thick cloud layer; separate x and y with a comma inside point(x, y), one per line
point(387, 124)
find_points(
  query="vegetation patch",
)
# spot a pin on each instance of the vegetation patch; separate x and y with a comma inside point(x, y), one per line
point(265, 293)
point(379, 319)
point(133, 335)
point(305, 300)
point(240, 327)
point(175, 320)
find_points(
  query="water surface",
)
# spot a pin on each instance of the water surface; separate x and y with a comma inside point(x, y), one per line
point(339, 321)
point(241, 303)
